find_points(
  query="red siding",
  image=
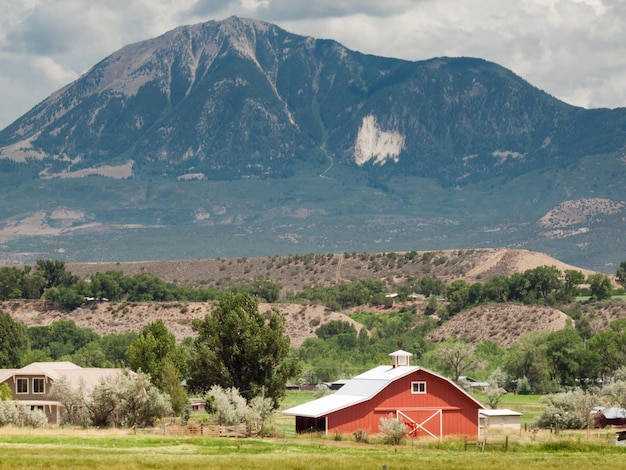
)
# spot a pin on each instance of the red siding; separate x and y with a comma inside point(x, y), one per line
point(459, 412)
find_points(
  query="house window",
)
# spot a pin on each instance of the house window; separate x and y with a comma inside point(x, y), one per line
point(39, 386)
point(22, 385)
point(418, 387)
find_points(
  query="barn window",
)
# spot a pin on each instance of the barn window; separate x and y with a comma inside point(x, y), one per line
point(22, 385)
point(418, 387)
point(39, 386)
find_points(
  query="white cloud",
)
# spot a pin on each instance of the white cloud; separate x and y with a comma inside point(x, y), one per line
point(54, 71)
point(573, 49)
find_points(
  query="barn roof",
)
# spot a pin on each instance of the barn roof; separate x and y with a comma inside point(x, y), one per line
point(614, 413)
point(359, 389)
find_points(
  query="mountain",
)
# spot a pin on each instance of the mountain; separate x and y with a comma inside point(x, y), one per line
point(236, 138)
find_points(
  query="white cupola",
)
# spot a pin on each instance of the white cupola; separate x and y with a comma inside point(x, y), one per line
point(400, 358)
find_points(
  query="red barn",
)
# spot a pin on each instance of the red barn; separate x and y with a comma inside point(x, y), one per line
point(428, 403)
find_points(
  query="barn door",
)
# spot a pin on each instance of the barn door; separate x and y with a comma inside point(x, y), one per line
point(420, 425)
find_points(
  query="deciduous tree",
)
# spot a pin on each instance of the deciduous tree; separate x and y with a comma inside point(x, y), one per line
point(14, 343)
point(237, 346)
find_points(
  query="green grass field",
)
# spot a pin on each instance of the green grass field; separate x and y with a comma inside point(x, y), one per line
point(163, 448)
point(119, 449)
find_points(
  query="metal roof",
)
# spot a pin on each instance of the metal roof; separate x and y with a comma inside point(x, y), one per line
point(361, 388)
point(614, 413)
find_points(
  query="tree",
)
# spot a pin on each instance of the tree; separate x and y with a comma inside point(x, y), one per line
point(335, 327)
point(573, 279)
point(621, 274)
point(11, 280)
point(600, 286)
point(544, 280)
point(494, 394)
point(456, 357)
point(527, 359)
point(14, 343)
point(5, 392)
point(237, 346)
point(68, 298)
point(497, 289)
point(171, 384)
point(61, 338)
point(54, 274)
point(149, 351)
point(458, 294)
point(564, 353)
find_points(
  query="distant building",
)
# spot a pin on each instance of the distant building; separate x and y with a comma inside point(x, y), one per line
point(615, 417)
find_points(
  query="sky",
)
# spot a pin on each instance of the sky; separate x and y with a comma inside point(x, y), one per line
point(573, 49)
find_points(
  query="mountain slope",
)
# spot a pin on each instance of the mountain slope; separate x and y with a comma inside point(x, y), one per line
point(268, 142)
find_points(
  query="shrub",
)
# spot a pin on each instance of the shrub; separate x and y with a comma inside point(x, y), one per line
point(361, 435)
point(393, 430)
point(74, 400)
point(128, 399)
point(321, 390)
point(226, 404)
point(8, 412)
point(31, 418)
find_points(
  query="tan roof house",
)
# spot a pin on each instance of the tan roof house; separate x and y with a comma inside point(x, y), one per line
point(30, 385)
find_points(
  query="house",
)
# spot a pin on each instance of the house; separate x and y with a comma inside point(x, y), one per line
point(472, 383)
point(197, 404)
point(428, 403)
point(503, 419)
point(614, 417)
point(30, 385)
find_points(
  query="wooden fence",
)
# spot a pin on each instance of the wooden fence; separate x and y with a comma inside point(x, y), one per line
point(208, 430)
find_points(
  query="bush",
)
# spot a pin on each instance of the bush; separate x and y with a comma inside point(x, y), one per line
point(393, 430)
point(31, 418)
point(567, 410)
point(128, 399)
point(361, 435)
point(321, 390)
point(21, 415)
point(8, 412)
point(226, 404)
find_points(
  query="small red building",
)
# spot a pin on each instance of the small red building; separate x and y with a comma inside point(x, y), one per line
point(428, 403)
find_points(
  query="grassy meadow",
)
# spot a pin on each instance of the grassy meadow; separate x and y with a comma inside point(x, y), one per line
point(121, 449)
point(57, 448)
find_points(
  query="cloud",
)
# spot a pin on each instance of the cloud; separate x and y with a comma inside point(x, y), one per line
point(54, 71)
point(290, 10)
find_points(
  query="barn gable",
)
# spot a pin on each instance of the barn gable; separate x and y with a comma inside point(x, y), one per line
point(430, 404)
